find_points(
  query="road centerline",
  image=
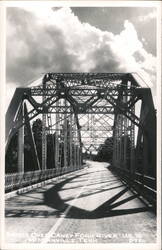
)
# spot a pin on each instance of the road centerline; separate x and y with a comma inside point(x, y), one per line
point(60, 220)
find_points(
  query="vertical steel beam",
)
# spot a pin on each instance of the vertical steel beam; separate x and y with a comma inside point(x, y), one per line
point(125, 131)
point(71, 141)
point(125, 141)
point(75, 148)
point(114, 141)
point(57, 139)
point(50, 132)
point(118, 141)
point(132, 137)
point(78, 157)
point(65, 135)
point(44, 143)
point(21, 144)
point(44, 139)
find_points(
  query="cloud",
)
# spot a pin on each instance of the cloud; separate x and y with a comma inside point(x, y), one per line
point(9, 93)
point(148, 17)
point(43, 39)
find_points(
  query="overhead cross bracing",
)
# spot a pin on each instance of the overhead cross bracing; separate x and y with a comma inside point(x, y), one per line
point(82, 91)
point(82, 110)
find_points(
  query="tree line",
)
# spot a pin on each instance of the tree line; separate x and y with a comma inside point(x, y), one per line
point(11, 161)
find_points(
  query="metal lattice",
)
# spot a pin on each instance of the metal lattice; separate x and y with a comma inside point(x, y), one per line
point(81, 110)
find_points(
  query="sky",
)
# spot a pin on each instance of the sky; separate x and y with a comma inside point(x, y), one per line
point(79, 39)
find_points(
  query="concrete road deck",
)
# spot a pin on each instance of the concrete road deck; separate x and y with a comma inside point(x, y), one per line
point(88, 206)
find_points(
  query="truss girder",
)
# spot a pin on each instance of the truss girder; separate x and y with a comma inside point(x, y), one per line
point(89, 110)
point(104, 98)
point(148, 121)
point(84, 107)
point(12, 112)
point(94, 79)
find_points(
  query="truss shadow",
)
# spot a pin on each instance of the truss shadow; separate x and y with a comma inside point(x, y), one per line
point(53, 200)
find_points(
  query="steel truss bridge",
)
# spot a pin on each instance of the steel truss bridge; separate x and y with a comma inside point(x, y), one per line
point(79, 111)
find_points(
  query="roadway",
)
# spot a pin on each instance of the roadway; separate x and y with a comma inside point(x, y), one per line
point(88, 206)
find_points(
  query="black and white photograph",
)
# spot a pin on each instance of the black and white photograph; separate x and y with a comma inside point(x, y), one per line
point(82, 141)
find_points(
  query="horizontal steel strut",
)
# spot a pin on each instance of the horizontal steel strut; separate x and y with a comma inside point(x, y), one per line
point(86, 93)
point(96, 112)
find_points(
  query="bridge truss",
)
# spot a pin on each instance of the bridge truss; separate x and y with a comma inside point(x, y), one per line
point(80, 111)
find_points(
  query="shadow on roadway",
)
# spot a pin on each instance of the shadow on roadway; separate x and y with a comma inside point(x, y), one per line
point(52, 199)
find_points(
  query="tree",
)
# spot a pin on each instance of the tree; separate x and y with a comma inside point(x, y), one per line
point(105, 152)
point(11, 158)
point(37, 133)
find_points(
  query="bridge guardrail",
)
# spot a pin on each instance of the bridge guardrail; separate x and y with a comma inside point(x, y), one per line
point(16, 181)
point(144, 185)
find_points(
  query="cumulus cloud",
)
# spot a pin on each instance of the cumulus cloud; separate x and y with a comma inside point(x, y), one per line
point(148, 17)
point(43, 40)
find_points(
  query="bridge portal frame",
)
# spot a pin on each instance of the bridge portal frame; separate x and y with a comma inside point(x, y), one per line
point(76, 94)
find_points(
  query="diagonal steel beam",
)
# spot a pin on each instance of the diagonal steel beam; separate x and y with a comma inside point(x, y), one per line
point(31, 139)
